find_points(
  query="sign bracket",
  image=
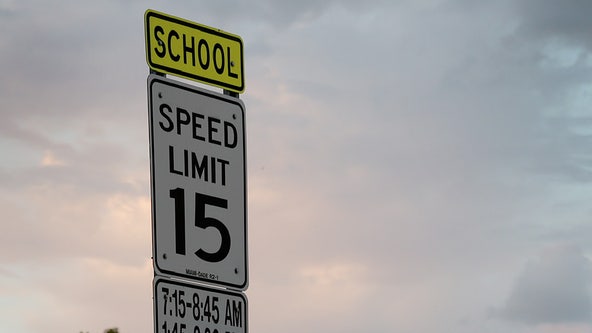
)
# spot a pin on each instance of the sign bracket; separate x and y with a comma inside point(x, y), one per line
point(152, 71)
point(231, 93)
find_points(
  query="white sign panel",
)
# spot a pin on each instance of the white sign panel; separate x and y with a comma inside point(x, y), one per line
point(185, 308)
point(197, 151)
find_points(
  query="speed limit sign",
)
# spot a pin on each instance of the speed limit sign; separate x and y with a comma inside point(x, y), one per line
point(198, 183)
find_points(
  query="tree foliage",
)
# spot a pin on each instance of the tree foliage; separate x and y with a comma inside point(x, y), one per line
point(109, 330)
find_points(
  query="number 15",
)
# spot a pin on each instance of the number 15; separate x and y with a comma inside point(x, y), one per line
point(201, 221)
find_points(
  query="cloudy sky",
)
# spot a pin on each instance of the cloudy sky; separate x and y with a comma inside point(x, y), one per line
point(413, 166)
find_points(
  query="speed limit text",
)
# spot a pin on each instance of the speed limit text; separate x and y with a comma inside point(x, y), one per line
point(191, 164)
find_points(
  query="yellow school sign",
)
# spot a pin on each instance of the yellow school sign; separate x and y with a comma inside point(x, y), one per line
point(194, 51)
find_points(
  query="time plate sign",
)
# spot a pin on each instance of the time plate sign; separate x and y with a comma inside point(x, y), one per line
point(197, 153)
point(185, 308)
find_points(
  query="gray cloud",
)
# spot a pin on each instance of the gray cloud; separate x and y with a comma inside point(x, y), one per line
point(438, 142)
point(551, 19)
point(552, 289)
point(54, 67)
point(282, 15)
